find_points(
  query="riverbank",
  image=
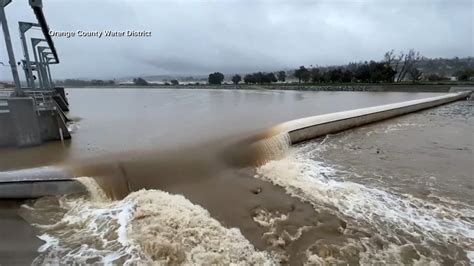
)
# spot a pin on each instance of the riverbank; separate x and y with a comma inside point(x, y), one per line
point(395, 87)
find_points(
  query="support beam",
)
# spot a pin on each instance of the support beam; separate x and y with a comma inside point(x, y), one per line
point(34, 43)
point(44, 55)
point(41, 49)
point(37, 6)
point(48, 69)
point(24, 27)
point(8, 44)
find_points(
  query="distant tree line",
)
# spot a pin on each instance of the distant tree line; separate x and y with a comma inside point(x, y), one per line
point(465, 75)
point(444, 67)
point(394, 67)
point(254, 78)
point(82, 83)
point(260, 78)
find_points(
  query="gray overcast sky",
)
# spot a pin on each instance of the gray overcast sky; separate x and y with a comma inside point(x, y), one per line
point(197, 37)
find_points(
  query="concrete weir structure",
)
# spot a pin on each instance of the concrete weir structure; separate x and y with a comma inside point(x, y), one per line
point(32, 120)
point(316, 126)
point(29, 116)
point(37, 182)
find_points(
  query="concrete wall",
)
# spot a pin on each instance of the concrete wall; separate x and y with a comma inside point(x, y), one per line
point(7, 136)
point(23, 126)
point(60, 91)
point(61, 99)
point(50, 125)
point(28, 190)
point(464, 88)
point(24, 121)
point(316, 126)
point(461, 89)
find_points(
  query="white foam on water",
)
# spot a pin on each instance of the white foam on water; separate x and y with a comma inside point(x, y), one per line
point(276, 238)
point(387, 128)
point(400, 126)
point(320, 184)
point(268, 219)
point(147, 227)
point(73, 127)
point(470, 256)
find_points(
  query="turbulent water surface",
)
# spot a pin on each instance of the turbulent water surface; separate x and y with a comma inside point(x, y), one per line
point(404, 188)
point(185, 177)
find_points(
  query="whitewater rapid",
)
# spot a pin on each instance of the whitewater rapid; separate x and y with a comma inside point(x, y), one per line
point(394, 224)
point(148, 226)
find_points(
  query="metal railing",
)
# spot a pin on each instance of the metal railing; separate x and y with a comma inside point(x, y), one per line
point(43, 99)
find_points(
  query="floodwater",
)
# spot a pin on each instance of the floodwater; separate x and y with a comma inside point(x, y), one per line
point(394, 192)
point(116, 121)
point(403, 187)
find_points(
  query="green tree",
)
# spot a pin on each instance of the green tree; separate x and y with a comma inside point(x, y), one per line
point(260, 78)
point(281, 76)
point(236, 79)
point(335, 75)
point(216, 78)
point(362, 72)
point(269, 78)
point(316, 75)
point(302, 74)
point(174, 82)
point(347, 76)
point(434, 77)
point(140, 82)
point(465, 74)
point(249, 79)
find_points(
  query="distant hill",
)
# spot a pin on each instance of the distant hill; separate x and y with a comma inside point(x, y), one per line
point(444, 67)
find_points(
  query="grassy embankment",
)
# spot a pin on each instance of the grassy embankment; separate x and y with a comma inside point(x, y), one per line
point(402, 86)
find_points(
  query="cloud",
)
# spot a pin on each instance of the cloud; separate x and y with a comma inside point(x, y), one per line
point(197, 37)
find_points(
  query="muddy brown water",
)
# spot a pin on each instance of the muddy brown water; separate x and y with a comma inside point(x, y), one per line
point(183, 141)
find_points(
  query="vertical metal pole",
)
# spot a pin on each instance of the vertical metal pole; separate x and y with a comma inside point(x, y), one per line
point(27, 76)
point(8, 43)
point(23, 28)
point(49, 74)
point(47, 69)
point(43, 66)
point(37, 64)
point(43, 73)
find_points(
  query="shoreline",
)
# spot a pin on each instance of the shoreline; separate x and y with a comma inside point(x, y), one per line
point(300, 87)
